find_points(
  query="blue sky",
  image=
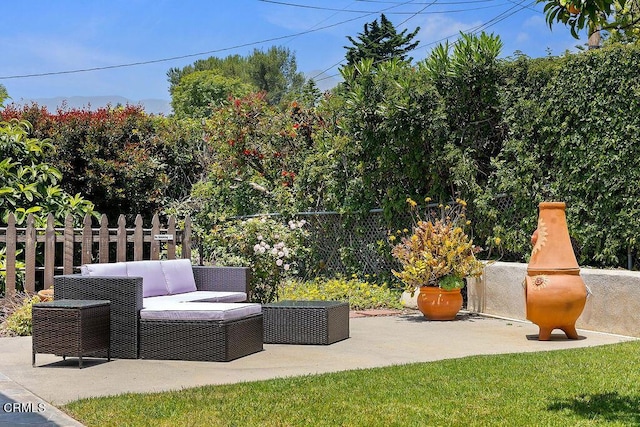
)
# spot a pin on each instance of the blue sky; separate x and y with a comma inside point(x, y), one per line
point(60, 37)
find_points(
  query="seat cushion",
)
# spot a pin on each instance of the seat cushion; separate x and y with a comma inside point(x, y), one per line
point(198, 296)
point(153, 281)
point(200, 311)
point(178, 275)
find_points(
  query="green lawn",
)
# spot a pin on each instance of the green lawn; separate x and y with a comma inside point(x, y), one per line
point(589, 386)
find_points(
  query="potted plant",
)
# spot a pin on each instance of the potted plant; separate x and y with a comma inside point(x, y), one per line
point(436, 257)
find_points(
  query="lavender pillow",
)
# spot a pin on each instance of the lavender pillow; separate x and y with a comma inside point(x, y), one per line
point(153, 281)
point(178, 275)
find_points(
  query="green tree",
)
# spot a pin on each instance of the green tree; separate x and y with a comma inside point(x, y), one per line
point(274, 72)
point(254, 153)
point(381, 42)
point(197, 94)
point(231, 66)
point(397, 129)
point(467, 76)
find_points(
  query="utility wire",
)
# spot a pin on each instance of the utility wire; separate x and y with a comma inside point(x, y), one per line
point(192, 55)
point(304, 6)
point(439, 2)
point(174, 58)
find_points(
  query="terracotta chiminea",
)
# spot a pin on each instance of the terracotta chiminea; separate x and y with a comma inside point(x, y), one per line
point(555, 293)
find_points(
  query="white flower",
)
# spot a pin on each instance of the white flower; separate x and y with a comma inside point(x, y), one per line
point(278, 262)
point(301, 223)
point(280, 254)
point(262, 249)
point(286, 266)
point(256, 248)
point(259, 237)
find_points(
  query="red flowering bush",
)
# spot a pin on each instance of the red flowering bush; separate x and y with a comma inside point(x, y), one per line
point(255, 152)
point(124, 160)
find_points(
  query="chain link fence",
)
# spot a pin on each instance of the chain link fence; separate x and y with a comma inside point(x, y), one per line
point(346, 244)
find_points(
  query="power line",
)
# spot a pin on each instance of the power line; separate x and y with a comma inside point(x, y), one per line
point(174, 58)
point(439, 2)
point(417, 13)
point(367, 13)
point(304, 6)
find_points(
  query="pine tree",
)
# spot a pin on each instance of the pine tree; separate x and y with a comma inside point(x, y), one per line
point(381, 42)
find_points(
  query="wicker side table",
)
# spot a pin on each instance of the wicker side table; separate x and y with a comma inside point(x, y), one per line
point(306, 322)
point(70, 328)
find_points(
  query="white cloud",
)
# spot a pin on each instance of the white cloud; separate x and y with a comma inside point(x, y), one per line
point(435, 28)
point(536, 22)
point(30, 55)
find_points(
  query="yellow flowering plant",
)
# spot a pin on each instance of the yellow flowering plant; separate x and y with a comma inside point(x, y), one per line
point(438, 252)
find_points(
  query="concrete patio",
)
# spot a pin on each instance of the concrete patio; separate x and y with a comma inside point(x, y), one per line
point(375, 341)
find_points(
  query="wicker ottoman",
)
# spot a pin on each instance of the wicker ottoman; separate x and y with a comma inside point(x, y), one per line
point(70, 328)
point(200, 340)
point(214, 332)
point(306, 322)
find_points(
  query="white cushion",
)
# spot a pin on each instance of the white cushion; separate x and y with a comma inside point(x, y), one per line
point(178, 275)
point(200, 311)
point(197, 296)
point(106, 269)
point(153, 282)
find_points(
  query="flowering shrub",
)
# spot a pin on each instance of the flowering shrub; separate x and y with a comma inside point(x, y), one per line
point(18, 321)
point(360, 294)
point(270, 248)
point(438, 252)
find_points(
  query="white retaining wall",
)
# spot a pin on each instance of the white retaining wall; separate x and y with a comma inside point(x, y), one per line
point(613, 306)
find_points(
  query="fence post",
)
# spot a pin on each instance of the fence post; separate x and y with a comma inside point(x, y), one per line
point(10, 266)
point(186, 240)
point(155, 244)
point(121, 244)
point(49, 252)
point(67, 260)
point(138, 240)
point(171, 245)
point(103, 240)
point(87, 240)
point(30, 255)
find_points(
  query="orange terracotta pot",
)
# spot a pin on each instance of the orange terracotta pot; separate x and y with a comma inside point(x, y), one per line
point(438, 304)
point(554, 291)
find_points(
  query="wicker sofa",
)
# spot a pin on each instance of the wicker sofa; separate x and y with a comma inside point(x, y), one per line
point(170, 309)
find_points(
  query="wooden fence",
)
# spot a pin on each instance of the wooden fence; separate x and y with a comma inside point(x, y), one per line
point(49, 251)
